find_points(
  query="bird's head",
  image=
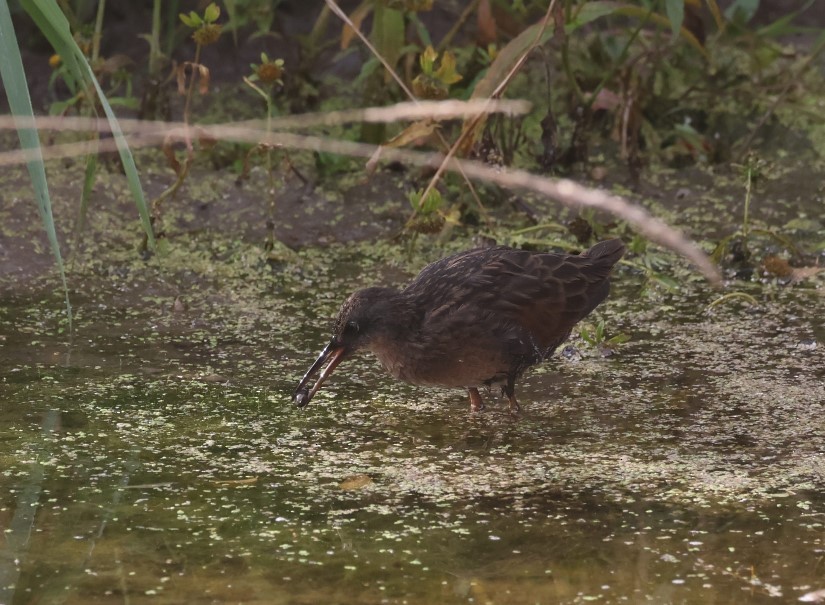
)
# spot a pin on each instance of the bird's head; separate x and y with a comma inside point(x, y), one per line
point(365, 315)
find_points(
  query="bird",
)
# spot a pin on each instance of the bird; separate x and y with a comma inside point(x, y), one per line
point(474, 319)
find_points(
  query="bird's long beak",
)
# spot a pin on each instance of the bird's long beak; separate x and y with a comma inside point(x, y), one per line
point(333, 352)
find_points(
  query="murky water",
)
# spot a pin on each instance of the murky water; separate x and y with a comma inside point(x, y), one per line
point(158, 459)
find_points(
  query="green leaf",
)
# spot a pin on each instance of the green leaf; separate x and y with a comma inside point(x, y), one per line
point(420, 29)
point(427, 60)
point(60, 107)
point(127, 102)
point(666, 281)
point(508, 56)
point(741, 11)
point(192, 20)
point(784, 26)
point(675, 11)
point(14, 82)
point(446, 71)
point(591, 11)
point(212, 12)
point(388, 34)
point(52, 23)
point(428, 206)
point(88, 183)
point(367, 69)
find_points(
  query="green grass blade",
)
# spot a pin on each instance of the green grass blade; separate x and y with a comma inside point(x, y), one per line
point(17, 91)
point(675, 11)
point(132, 178)
point(88, 183)
point(53, 24)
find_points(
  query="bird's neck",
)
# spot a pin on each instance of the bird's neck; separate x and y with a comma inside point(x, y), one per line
point(397, 315)
point(394, 342)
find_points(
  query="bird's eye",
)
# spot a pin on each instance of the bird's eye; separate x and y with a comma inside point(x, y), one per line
point(352, 327)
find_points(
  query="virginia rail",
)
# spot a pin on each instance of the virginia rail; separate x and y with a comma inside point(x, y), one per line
point(473, 319)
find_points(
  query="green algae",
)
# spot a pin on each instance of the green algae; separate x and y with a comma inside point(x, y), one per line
point(180, 471)
point(170, 465)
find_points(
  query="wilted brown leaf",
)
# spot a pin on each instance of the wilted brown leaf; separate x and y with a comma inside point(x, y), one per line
point(354, 482)
point(413, 132)
point(357, 17)
point(169, 152)
point(800, 273)
point(777, 266)
point(781, 268)
point(487, 33)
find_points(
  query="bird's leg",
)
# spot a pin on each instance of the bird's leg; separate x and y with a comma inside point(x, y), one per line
point(510, 390)
point(476, 404)
point(515, 408)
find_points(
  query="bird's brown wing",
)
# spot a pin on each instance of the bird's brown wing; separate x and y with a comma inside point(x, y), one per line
point(532, 300)
point(543, 294)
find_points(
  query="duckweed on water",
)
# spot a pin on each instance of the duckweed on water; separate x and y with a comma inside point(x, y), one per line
point(157, 458)
point(167, 462)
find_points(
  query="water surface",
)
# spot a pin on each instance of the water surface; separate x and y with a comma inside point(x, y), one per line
point(157, 458)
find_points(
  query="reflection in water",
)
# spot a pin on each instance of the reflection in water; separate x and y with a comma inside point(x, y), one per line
point(26, 494)
point(688, 469)
point(192, 490)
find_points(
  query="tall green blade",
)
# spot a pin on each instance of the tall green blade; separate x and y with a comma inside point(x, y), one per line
point(17, 91)
point(675, 11)
point(53, 24)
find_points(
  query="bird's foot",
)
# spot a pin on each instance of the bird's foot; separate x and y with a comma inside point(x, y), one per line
point(515, 408)
point(476, 404)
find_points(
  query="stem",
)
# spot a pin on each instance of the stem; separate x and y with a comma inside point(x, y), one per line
point(268, 157)
point(154, 40)
point(171, 17)
point(270, 176)
point(171, 190)
point(448, 37)
point(467, 131)
point(101, 6)
point(541, 227)
point(746, 218)
point(190, 92)
point(565, 56)
point(190, 152)
point(734, 295)
point(341, 15)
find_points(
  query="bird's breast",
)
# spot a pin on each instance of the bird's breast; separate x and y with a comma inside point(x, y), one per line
point(443, 362)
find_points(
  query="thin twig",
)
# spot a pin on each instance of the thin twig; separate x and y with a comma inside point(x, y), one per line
point(341, 15)
point(566, 192)
point(498, 90)
point(440, 110)
point(448, 37)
